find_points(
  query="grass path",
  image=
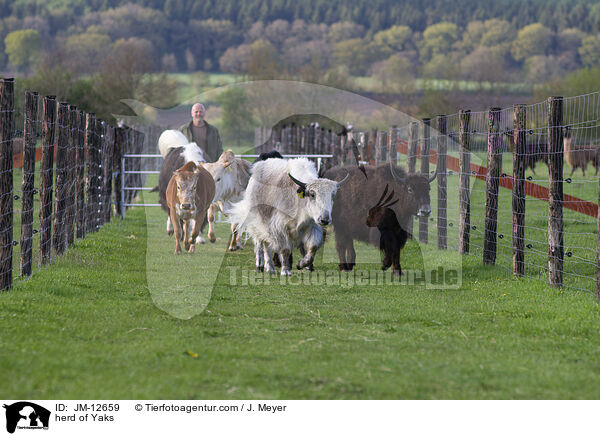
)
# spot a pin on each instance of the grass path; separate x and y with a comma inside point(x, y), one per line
point(87, 327)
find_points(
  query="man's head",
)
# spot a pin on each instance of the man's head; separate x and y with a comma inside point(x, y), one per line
point(198, 112)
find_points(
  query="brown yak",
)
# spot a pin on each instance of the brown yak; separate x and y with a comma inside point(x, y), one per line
point(189, 194)
point(352, 203)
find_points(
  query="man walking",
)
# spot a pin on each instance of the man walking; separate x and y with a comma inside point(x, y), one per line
point(205, 135)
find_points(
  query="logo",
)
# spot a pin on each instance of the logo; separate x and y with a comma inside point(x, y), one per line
point(26, 415)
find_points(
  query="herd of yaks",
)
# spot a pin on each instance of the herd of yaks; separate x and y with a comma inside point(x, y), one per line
point(284, 204)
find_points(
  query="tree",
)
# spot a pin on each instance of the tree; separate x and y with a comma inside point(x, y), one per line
point(442, 66)
point(235, 59)
point(237, 121)
point(344, 30)
point(531, 40)
point(23, 48)
point(472, 35)
point(87, 50)
point(356, 54)
point(395, 73)
point(590, 51)
point(393, 39)
point(483, 65)
point(438, 39)
point(264, 62)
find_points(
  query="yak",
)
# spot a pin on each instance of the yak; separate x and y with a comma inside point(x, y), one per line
point(352, 202)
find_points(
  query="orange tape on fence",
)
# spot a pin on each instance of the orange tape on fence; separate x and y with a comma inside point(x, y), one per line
point(531, 189)
point(18, 157)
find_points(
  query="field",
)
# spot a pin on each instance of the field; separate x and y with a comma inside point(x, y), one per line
point(119, 316)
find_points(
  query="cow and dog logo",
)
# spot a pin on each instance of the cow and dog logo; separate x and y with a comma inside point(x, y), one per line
point(26, 415)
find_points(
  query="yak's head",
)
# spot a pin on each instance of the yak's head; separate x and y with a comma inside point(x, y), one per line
point(186, 179)
point(413, 192)
point(319, 194)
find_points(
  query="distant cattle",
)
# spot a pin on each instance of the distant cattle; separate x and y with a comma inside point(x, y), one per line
point(536, 150)
point(353, 201)
point(189, 193)
point(286, 204)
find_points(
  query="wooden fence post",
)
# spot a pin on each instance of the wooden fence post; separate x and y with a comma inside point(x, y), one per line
point(71, 172)
point(46, 178)
point(108, 170)
point(80, 175)
point(425, 132)
point(101, 152)
point(518, 197)
point(59, 240)
point(392, 145)
point(90, 197)
point(380, 147)
point(28, 186)
point(494, 167)
point(413, 143)
point(464, 139)
point(442, 183)
point(555, 195)
point(7, 107)
point(119, 137)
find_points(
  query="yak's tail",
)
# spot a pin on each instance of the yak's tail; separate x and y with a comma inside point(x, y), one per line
point(238, 214)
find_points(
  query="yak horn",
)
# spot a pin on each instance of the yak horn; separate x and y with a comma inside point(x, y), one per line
point(432, 178)
point(297, 182)
point(343, 181)
point(398, 179)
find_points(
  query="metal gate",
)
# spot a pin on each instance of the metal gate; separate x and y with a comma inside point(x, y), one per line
point(219, 219)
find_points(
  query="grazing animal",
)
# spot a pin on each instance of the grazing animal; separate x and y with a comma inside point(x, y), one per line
point(534, 151)
point(576, 155)
point(595, 152)
point(189, 193)
point(231, 177)
point(175, 158)
point(286, 204)
point(351, 204)
point(392, 236)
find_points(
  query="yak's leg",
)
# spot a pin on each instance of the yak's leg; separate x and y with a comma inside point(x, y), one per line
point(177, 231)
point(238, 237)
point(258, 253)
point(313, 239)
point(286, 266)
point(268, 256)
point(232, 244)
point(350, 256)
point(212, 210)
point(169, 226)
point(195, 231)
point(341, 243)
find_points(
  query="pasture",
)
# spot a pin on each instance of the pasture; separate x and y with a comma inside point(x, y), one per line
point(90, 325)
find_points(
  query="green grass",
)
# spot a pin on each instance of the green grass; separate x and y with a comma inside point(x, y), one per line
point(96, 323)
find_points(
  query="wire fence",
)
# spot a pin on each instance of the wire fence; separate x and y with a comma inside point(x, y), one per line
point(56, 180)
point(515, 185)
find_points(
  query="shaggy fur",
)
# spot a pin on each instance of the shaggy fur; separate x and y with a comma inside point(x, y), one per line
point(353, 201)
point(275, 216)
